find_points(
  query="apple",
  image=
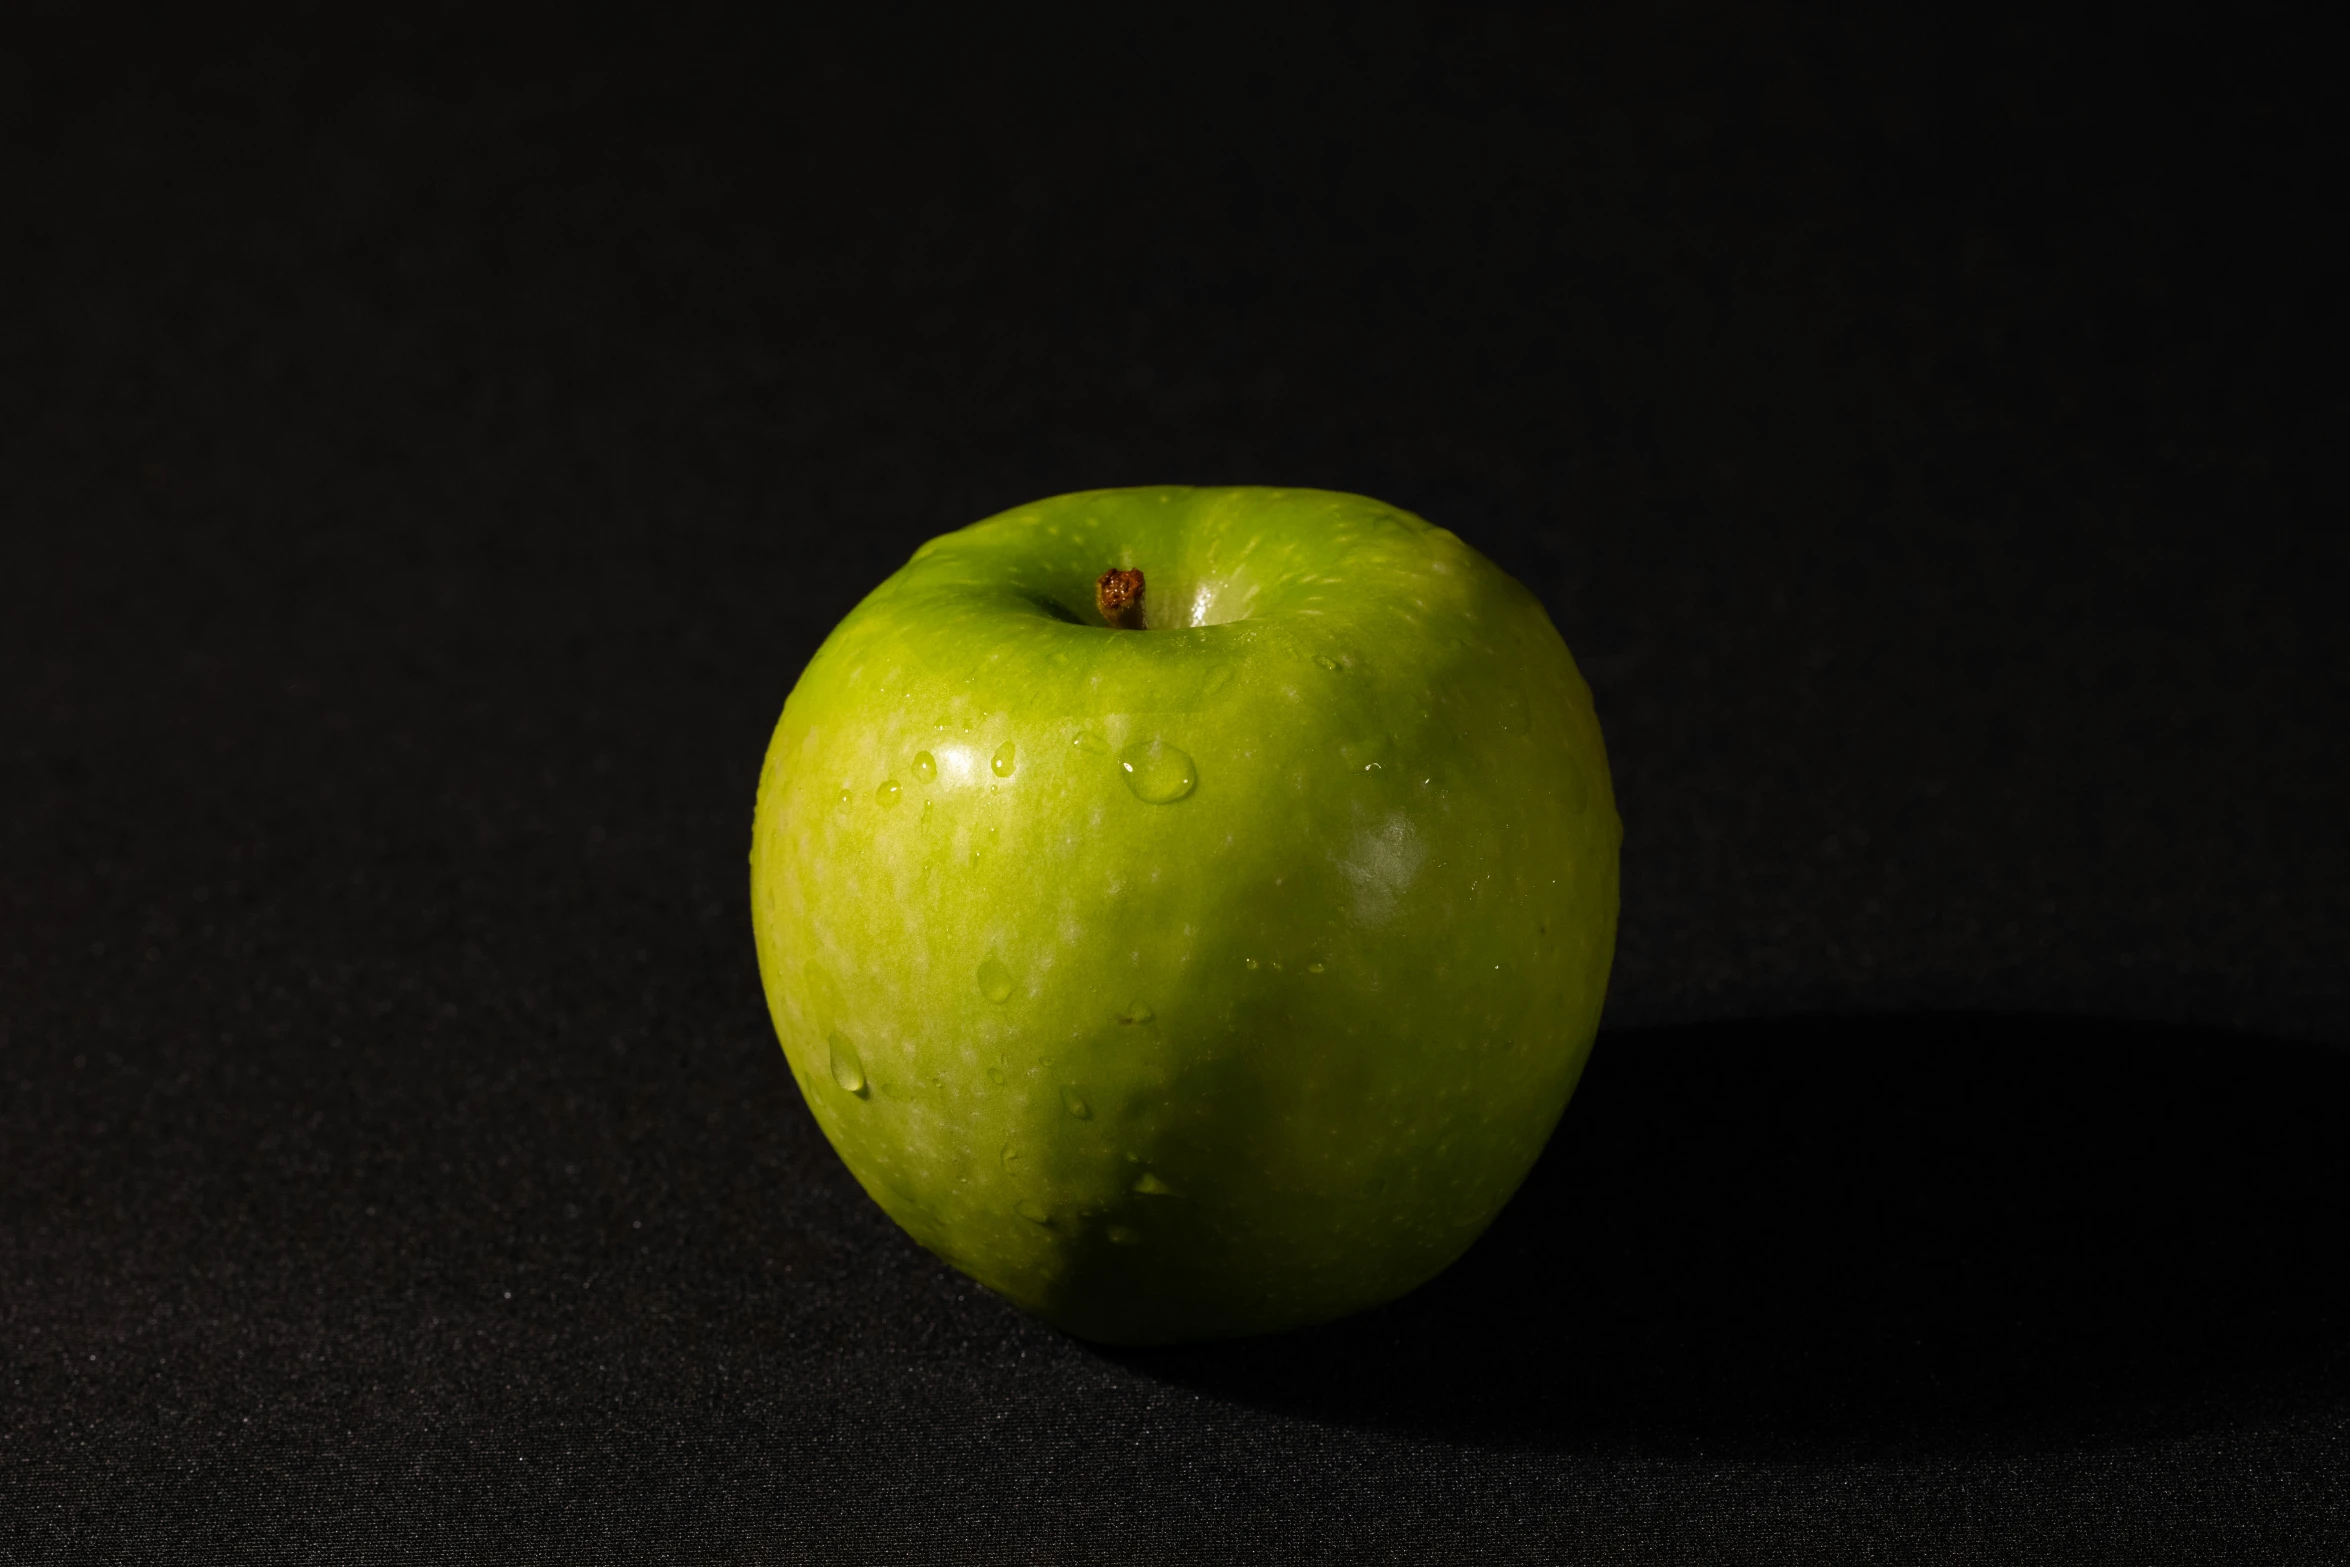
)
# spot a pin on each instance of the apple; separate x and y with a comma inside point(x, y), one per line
point(1187, 911)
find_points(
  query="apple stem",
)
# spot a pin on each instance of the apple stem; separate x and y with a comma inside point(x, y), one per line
point(1118, 595)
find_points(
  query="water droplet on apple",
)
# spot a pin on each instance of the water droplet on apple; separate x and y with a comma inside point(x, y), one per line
point(1249, 963)
point(1370, 767)
point(1033, 1212)
point(847, 1069)
point(1002, 762)
point(846, 797)
point(1157, 772)
point(1124, 1235)
point(1137, 1012)
point(995, 1075)
point(1091, 743)
point(1313, 968)
point(1218, 678)
point(1076, 1106)
point(1150, 1185)
point(1326, 661)
point(1013, 1157)
point(1578, 789)
point(888, 793)
point(995, 981)
point(925, 766)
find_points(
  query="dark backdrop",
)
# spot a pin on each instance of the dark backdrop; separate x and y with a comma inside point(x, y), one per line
point(429, 454)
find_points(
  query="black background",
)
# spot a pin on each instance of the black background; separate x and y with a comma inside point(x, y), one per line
point(430, 453)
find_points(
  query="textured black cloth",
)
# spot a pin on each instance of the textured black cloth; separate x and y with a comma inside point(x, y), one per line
point(428, 455)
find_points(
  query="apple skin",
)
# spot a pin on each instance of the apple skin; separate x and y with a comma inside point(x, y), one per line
point(1199, 980)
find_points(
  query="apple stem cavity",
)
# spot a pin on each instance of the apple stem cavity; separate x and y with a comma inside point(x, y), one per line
point(1118, 595)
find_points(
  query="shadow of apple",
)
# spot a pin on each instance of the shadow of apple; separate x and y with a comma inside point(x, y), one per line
point(1879, 1234)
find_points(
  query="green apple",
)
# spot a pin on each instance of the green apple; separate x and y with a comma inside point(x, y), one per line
point(1216, 971)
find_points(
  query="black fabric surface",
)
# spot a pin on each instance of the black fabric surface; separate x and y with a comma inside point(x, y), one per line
point(430, 453)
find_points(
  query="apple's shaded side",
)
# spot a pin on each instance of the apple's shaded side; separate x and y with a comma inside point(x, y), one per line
point(1205, 979)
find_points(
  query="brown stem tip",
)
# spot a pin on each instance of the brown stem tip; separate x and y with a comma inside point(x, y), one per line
point(1118, 595)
